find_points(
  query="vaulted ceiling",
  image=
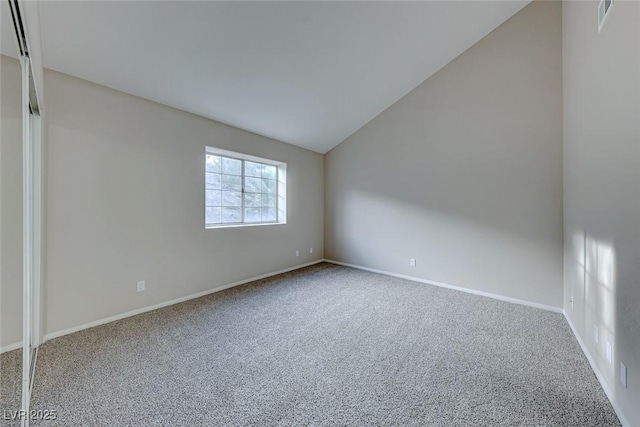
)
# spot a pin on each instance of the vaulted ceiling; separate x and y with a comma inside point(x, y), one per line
point(305, 72)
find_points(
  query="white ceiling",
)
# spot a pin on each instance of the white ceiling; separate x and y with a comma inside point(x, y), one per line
point(307, 73)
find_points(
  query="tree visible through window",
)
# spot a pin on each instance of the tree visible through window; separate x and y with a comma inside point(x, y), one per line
point(241, 189)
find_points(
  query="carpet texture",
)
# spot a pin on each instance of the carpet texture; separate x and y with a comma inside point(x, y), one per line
point(324, 345)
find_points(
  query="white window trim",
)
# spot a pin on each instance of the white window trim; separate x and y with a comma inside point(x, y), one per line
point(281, 192)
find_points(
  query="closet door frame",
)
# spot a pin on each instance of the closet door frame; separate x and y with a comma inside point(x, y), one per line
point(32, 198)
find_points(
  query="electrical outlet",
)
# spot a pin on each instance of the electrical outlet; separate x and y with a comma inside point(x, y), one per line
point(297, 253)
point(310, 250)
point(609, 352)
point(412, 262)
point(596, 334)
point(623, 374)
point(141, 285)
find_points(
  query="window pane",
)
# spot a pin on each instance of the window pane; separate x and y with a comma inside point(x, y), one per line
point(270, 172)
point(213, 163)
point(252, 200)
point(231, 198)
point(231, 215)
point(212, 180)
point(269, 186)
point(231, 166)
point(269, 214)
point(241, 189)
point(212, 215)
point(252, 185)
point(212, 198)
point(253, 169)
point(232, 182)
point(268, 201)
point(252, 215)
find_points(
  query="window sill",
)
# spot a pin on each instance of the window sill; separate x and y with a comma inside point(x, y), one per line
point(262, 224)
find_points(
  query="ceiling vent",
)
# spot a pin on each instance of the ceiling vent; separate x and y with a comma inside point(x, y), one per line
point(604, 7)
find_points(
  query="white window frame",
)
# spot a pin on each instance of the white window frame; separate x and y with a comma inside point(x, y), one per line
point(281, 189)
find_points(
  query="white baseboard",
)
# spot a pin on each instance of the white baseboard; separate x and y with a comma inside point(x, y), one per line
point(607, 390)
point(455, 288)
point(10, 347)
point(99, 322)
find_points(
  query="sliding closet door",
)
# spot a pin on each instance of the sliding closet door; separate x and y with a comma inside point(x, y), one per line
point(31, 137)
point(27, 248)
point(32, 232)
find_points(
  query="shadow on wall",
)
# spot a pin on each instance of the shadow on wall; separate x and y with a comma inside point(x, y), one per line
point(507, 199)
point(358, 207)
point(490, 245)
point(385, 213)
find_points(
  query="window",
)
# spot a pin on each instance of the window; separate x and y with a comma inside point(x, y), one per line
point(243, 190)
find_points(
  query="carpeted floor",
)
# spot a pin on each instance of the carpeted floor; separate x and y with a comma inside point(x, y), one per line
point(324, 345)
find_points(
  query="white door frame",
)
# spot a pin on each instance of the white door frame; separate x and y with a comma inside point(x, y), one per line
point(36, 278)
point(32, 234)
point(27, 249)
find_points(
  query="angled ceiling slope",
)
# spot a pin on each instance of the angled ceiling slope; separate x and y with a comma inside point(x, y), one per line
point(306, 73)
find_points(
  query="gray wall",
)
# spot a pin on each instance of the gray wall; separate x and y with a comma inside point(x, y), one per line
point(10, 202)
point(602, 187)
point(465, 172)
point(125, 203)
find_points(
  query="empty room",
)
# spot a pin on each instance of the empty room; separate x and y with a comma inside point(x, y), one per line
point(320, 213)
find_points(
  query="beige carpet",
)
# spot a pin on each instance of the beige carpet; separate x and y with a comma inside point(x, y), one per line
point(324, 345)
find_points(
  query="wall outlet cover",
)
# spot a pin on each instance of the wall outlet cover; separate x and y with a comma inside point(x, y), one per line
point(623, 374)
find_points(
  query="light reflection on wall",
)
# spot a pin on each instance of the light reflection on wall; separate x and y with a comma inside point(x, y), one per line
point(596, 264)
